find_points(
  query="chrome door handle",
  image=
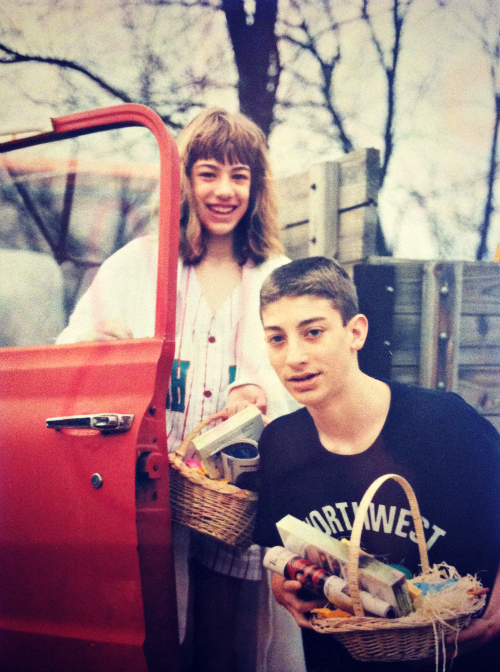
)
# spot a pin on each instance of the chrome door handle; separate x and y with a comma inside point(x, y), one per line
point(107, 423)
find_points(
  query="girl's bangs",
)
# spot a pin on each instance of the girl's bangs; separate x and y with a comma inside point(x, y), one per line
point(225, 146)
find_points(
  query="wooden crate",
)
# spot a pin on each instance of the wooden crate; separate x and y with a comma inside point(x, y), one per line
point(444, 332)
point(331, 209)
point(432, 324)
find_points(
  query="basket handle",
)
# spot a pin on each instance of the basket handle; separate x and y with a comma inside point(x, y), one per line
point(357, 528)
point(182, 449)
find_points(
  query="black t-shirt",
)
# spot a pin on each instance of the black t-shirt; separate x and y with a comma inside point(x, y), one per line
point(448, 453)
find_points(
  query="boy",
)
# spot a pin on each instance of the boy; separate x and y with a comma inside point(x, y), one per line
point(317, 463)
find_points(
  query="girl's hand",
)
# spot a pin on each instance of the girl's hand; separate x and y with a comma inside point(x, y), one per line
point(109, 330)
point(285, 594)
point(242, 396)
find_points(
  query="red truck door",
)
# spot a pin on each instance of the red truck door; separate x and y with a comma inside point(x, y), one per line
point(86, 568)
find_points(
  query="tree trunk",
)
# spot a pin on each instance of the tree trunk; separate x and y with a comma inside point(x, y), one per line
point(256, 56)
point(492, 175)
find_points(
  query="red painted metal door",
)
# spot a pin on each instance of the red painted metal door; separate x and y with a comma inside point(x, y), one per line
point(86, 569)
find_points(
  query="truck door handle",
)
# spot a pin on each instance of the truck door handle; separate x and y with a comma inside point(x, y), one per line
point(107, 423)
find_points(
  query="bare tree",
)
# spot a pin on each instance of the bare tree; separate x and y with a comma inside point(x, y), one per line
point(490, 40)
point(256, 55)
point(389, 60)
point(318, 35)
point(481, 21)
point(288, 61)
point(254, 45)
point(155, 70)
point(251, 31)
point(306, 35)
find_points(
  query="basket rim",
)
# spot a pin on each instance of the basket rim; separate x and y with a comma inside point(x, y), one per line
point(374, 623)
point(176, 459)
point(209, 484)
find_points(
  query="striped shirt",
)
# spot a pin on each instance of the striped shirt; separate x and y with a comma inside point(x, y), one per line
point(205, 357)
point(204, 366)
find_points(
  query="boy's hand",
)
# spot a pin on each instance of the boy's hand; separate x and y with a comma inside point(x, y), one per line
point(285, 594)
point(481, 630)
point(242, 396)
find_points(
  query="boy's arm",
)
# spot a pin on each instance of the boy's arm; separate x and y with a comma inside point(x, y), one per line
point(482, 630)
point(285, 594)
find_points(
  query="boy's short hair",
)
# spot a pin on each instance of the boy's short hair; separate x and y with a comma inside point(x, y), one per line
point(315, 276)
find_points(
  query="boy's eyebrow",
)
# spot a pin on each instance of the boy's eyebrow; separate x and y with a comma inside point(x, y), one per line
point(310, 320)
point(302, 323)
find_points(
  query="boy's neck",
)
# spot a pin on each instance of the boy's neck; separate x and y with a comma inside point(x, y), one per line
point(350, 423)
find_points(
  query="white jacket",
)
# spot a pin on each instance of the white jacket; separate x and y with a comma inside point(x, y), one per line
point(125, 288)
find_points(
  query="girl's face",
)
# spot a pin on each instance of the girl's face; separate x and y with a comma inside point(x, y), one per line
point(221, 193)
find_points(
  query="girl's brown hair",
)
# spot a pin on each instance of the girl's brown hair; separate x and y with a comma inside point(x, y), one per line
point(233, 138)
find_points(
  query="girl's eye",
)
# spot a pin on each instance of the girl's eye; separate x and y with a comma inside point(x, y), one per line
point(314, 332)
point(275, 339)
point(241, 177)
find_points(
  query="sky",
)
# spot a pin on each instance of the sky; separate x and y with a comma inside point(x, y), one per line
point(444, 105)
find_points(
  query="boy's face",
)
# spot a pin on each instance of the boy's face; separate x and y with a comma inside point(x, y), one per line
point(310, 349)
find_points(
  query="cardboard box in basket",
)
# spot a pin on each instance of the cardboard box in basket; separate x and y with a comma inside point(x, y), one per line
point(375, 577)
point(246, 424)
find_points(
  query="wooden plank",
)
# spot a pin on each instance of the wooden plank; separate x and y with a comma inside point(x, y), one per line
point(293, 193)
point(323, 209)
point(480, 387)
point(406, 332)
point(359, 178)
point(409, 288)
point(481, 288)
point(428, 326)
point(357, 230)
point(454, 324)
point(405, 358)
point(375, 359)
point(316, 196)
point(408, 282)
point(479, 356)
point(351, 228)
point(480, 331)
point(405, 374)
point(295, 240)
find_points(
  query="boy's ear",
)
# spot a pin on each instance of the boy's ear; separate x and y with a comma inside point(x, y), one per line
point(358, 326)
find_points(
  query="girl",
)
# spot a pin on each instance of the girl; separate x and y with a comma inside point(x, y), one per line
point(229, 244)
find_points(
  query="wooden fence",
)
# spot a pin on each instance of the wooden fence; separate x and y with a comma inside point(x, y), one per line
point(331, 209)
point(432, 324)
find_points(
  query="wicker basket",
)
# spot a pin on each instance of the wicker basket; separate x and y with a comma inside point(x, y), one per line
point(218, 509)
point(385, 640)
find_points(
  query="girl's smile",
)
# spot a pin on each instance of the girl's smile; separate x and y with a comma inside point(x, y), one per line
point(222, 193)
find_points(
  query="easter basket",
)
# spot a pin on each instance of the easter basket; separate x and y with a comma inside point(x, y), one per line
point(413, 637)
point(212, 507)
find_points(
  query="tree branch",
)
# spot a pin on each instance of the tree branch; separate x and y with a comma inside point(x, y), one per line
point(327, 68)
point(399, 13)
point(491, 179)
point(14, 57)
